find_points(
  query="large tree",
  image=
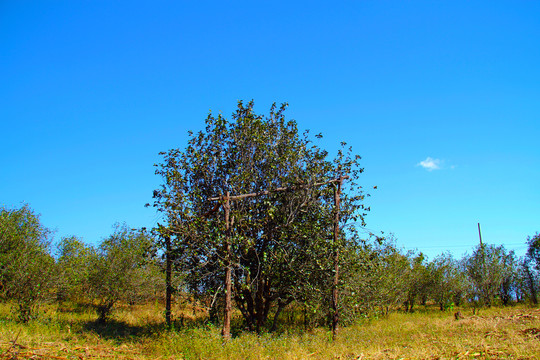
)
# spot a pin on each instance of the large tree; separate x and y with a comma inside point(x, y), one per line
point(275, 245)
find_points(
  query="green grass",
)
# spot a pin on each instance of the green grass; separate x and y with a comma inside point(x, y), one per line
point(139, 333)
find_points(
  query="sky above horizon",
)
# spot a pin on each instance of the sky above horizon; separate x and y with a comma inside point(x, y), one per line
point(441, 100)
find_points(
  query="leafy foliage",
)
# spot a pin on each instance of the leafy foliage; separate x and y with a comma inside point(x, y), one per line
point(27, 270)
point(280, 242)
point(447, 284)
point(75, 260)
point(533, 250)
point(122, 269)
point(487, 268)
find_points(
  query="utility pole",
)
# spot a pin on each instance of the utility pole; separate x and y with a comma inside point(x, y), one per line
point(483, 255)
point(480, 235)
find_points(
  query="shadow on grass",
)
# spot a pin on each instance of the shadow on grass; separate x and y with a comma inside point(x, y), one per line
point(117, 330)
point(186, 324)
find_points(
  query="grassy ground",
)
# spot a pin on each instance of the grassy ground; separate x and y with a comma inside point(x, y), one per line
point(138, 333)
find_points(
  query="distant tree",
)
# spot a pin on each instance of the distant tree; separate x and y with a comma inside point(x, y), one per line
point(527, 280)
point(122, 269)
point(447, 285)
point(509, 282)
point(27, 270)
point(529, 270)
point(75, 259)
point(418, 275)
point(393, 277)
point(462, 283)
point(380, 278)
point(486, 270)
point(533, 250)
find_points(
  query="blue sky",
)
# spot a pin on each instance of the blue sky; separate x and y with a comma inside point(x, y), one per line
point(91, 91)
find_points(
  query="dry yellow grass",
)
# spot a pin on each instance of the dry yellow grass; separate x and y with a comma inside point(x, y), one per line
point(138, 333)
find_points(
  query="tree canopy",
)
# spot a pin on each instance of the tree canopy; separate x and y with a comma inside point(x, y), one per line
point(26, 267)
point(279, 243)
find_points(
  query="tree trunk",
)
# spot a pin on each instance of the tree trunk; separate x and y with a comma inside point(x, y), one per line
point(305, 318)
point(280, 308)
point(335, 316)
point(259, 305)
point(532, 288)
point(168, 281)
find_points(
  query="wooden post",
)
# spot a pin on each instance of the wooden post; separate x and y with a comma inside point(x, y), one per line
point(226, 331)
point(168, 285)
point(335, 316)
point(225, 202)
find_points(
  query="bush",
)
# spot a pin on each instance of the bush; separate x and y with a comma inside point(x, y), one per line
point(27, 270)
point(74, 265)
point(123, 269)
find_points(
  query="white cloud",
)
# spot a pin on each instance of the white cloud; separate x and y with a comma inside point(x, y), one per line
point(430, 164)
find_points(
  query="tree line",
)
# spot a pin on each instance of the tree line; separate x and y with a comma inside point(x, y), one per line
point(292, 248)
point(122, 268)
